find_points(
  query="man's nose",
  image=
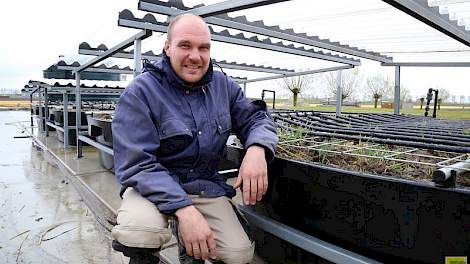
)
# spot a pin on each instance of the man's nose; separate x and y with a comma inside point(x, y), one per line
point(194, 54)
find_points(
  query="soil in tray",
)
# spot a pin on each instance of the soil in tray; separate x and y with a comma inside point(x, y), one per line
point(363, 157)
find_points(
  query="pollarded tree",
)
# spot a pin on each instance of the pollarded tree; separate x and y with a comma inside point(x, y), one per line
point(377, 86)
point(296, 85)
point(350, 79)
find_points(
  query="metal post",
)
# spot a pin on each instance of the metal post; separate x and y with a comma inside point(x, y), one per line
point(66, 119)
point(137, 57)
point(78, 102)
point(244, 88)
point(396, 99)
point(339, 92)
point(46, 111)
point(41, 113)
point(32, 111)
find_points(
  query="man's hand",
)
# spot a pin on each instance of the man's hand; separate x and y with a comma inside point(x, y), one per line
point(196, 234)
point(253, 174)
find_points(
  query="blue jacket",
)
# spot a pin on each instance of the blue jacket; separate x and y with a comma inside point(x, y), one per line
point(168, 137)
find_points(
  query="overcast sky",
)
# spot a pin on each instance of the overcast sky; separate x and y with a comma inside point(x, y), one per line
point(35, 33)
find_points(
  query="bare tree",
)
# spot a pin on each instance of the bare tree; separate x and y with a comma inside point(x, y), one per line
point(405, 94)
point(296, 85)
point(377, 86)
point(444, 94)
point(349, 81)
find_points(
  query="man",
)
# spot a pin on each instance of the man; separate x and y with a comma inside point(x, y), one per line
point(169, 131)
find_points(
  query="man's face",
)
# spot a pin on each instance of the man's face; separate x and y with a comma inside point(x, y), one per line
point(189, 49)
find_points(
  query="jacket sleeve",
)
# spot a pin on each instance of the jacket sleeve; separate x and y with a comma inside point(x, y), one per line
point(251, 121)
point(135, 143)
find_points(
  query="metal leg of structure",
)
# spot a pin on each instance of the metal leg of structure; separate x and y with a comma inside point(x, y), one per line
point(31, 110)
point(41, 114)
point(137, 57)
point(396, 100)
point(339, 92)
point(66, 119)
point(244, 88)
point(46, 112)
point(78, 102)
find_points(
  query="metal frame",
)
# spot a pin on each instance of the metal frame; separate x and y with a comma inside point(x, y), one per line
point(420, 10)
point(241, 23)
point(224, 64)
point(230, 6)
point(121, 46)
point(396, 94)
point(98, 69)
point(298, 73)
point(224, 36)
point(428, 64)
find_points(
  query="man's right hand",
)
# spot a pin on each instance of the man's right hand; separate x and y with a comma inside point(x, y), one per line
point(197, 236)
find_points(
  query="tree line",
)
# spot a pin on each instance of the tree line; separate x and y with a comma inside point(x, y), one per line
point(375, 87)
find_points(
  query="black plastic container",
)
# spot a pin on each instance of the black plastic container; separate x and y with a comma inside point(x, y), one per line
point(59, 121)
point(99, 127)
point(386, 219)
point(72, 117)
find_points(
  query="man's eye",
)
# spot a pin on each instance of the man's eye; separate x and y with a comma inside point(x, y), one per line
point(184, 46)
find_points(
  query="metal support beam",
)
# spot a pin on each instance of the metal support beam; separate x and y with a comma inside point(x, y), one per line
point(220, 36)
point(420, 10)
point(270, 31)
point(89, 90)
point(121, 46)
point(396, 95)
point(97, 70)
point(41, 113)
point(97, 145)
point(46, 112)
point(78, 103)
point(244, 88)
point(339, 92)
point(230, 6)
point(31, 108)
point(298, 73)
point(428, 64)
point(225, 65)
point(137, 57)
point(304, 241)
point(66, 119)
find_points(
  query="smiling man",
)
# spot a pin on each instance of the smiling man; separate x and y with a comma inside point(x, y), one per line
point(169, 132)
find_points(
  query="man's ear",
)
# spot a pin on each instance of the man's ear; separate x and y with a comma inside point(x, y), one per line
point(166, 48)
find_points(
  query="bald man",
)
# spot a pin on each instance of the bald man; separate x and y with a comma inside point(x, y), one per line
point(169, 132)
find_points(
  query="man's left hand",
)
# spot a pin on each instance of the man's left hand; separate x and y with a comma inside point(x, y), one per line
point(253, 174)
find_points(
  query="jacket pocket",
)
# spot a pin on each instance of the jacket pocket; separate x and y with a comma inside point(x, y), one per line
point(224, 124)
point(174, 136)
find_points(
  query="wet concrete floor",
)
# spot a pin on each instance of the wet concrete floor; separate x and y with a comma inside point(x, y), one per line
point(42, 217)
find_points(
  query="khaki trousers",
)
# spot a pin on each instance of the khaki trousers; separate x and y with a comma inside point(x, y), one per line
point(140, 224)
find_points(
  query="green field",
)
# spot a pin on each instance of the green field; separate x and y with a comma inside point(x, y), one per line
point(446, 112)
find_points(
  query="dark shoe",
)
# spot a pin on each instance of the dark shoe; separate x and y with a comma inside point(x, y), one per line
point(137, 255)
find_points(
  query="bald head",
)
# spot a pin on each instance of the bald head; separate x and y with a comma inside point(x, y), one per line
point(185, 18)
